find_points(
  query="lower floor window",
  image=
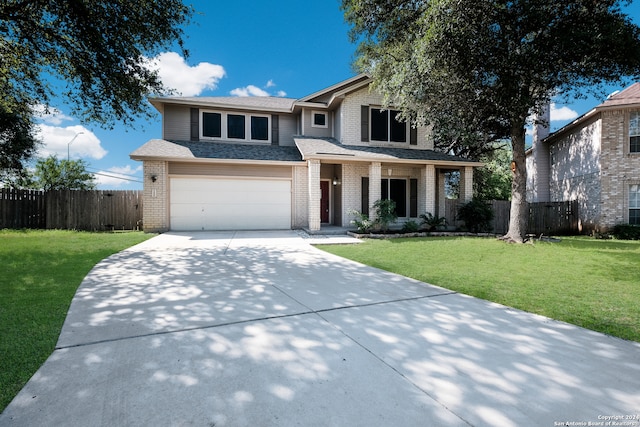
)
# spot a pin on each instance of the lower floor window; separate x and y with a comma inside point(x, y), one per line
point(396, 189)
point(634, 204)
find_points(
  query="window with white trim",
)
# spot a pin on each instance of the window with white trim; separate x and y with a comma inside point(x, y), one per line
point(634, 204)
point(319, 119)
point(235, 126)
point(386, 127)
point(634, 132)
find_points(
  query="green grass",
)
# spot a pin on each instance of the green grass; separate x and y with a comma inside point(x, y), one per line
point(590, 283)
point(39, 274)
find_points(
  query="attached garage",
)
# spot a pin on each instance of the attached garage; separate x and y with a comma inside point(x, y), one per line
point(229, 204)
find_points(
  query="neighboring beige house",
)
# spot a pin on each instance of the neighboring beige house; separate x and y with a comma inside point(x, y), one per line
point(595, 160)
point(275, 163)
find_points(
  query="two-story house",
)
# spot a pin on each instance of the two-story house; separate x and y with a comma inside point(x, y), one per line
point(277, 163)
point(595, 160)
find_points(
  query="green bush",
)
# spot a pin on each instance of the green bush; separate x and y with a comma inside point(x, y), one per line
point(626, 232)
point(385, 213)
point(361, 221)
point(410, 226)
point(477, 216)
point(432, 221)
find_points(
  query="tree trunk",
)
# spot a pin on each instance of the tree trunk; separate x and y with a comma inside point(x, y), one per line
point(519, 213)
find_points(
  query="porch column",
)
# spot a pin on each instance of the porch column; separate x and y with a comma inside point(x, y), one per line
point(375, 193)
point(430, 182)
point(314, 194)
point(466, 184)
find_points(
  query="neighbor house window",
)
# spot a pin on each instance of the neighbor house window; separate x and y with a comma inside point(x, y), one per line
point(634, 132)
point(386, 127)
point(634, 204)
point(245, 127)
point(319, 119)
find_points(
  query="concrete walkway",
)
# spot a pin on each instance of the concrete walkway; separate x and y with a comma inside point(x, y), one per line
point(262, 329)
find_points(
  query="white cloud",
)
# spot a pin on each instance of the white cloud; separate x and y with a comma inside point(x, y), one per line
point(50, 115)
point(562, 113)
point(252, 90)
point(118, 176)
point(78, 140)
point(187, 80)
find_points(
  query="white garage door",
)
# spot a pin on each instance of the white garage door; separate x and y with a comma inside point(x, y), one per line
point(229, 204)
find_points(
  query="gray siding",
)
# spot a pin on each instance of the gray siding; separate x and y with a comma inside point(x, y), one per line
point(176, 123)
point(309, 130)
point(288, 128)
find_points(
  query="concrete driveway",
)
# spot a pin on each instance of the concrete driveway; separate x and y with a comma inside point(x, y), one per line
point(262, 329)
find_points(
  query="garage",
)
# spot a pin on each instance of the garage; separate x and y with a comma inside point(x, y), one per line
point(229, 204)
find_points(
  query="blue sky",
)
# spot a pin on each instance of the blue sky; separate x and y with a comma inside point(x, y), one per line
point(237, 48)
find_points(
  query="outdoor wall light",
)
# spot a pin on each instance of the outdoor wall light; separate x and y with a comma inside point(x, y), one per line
point(154, 178)
point(336, 181)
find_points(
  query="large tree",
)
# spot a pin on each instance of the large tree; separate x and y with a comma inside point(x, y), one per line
point(493, 62)
point(90, 53)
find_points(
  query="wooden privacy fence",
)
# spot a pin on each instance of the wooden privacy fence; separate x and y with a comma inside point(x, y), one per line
point(92, 210)
point(22, 208)
point(544, 217)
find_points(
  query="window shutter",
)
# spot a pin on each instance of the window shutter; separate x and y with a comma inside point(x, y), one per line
point(275, 129)
point(195, 124)
point(364, 123)
point(413, 136)
point(413, 198)
point(364, 208)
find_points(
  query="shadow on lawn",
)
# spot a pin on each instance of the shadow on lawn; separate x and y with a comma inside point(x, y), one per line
point(226, 331)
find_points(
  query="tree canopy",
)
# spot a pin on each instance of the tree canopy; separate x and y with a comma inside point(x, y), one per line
point(489, 65)
point(54, 174)
point(93, 54)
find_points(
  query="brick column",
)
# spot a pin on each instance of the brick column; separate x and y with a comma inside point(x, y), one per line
point(155, 196)
point(314, 194)
point(375, 193)
point(429, 177)
point(466, 184)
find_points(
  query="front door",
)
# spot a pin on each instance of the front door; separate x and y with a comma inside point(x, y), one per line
point(324, 201)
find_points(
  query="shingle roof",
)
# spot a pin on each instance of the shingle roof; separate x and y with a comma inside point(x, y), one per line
point(630, 95)
point(160, 148)
point(329, 147)
point(271, 103)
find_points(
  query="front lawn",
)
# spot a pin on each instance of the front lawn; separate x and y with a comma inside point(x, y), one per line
point(39, 274)
point(590, 283)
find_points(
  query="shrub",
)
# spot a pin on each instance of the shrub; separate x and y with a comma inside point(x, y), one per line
point(361, 221)
point(410, 226)
point(432, 221)
point(626, 232)
point(477, 216)
point(385, 213)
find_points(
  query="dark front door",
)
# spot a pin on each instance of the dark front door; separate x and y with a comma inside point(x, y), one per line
point(324, 201)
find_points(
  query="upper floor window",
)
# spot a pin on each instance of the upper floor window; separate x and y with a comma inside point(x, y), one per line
point(245, 127)
point(386, 127)
point(634, 204)
point(634, 132)
point(319, 119)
